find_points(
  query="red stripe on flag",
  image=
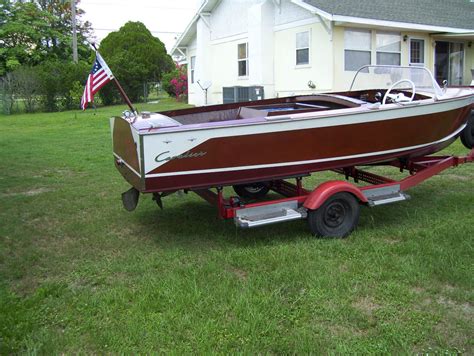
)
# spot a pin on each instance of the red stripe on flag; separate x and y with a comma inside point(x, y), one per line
point(95, 81)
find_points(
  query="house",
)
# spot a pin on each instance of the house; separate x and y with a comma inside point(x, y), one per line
point(243, 49)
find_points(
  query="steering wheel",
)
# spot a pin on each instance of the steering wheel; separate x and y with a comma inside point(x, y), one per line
point(396, 83)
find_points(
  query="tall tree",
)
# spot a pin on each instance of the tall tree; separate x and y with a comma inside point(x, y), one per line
point(62, 14)
point(34, 31)
point(135, 56)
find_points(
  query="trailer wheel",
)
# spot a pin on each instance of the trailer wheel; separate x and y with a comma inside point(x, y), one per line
point(337, 217)
point(467, 135)
point(252, 191)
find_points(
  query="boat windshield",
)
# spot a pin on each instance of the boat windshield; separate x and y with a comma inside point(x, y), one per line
point(384, 77)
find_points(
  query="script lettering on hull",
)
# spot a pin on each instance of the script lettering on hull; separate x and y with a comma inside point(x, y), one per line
point(165, 156)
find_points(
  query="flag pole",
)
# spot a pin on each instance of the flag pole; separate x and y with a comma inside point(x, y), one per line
point(124, 96)
point(120, 89)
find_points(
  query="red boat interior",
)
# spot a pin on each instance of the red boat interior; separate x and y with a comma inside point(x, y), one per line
point(277, 107)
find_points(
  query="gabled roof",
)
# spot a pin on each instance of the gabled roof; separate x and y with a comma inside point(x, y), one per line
point(446, 14)
point(188, 34)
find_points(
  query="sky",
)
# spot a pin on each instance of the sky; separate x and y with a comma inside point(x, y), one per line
point(166, 19)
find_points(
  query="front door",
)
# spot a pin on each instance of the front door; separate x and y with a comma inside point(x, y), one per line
point(449, 62)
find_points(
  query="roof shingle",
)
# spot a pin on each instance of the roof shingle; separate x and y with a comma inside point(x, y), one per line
point(443, 13)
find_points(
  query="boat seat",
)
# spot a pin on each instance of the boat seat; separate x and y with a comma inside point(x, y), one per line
point(205, 117)
point(333, 98)
point(249, 113)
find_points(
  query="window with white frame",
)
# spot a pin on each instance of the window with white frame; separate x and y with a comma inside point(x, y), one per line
point(357, 48)
point(388, 47)
point(192, 67)
point(243, 59)
point(302, 48)
point(417, 52)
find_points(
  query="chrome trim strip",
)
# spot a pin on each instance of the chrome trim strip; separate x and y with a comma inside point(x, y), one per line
point(130, 167)
point(142, 156)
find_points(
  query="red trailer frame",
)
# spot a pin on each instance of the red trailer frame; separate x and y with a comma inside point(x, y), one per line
point(382, 190)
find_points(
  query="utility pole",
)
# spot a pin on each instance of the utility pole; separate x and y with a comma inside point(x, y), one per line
point(74, 32)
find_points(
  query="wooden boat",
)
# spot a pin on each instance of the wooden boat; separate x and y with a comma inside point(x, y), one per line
point(389, 113)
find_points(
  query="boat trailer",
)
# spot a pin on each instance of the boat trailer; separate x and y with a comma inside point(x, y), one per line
point(332, 208)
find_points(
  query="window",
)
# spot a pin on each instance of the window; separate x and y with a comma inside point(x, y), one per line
point(192, 67)
point(242, 59)
point(359, 51)
point(302, 48)
point(388, 48)
point(357, 48)
point(417, 52)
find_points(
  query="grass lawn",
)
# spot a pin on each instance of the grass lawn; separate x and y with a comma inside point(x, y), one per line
point(80, 274)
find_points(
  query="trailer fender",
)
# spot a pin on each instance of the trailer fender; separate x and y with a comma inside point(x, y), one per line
point(325, 190)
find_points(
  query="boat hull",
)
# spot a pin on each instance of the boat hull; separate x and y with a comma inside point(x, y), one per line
point(218, 156)
point(205, 180)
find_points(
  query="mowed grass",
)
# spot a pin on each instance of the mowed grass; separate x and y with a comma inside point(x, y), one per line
point(80, 274)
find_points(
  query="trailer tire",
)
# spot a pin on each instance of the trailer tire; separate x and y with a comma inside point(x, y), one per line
point(252, 191)
point(337, 217)
point(467, 135)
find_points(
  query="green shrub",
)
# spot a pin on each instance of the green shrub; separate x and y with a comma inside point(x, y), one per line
point(59, 84)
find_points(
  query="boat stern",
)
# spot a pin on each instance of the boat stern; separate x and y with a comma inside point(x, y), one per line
point(126, 150)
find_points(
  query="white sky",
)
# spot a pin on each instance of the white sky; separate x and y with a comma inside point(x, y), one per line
point(166, 19)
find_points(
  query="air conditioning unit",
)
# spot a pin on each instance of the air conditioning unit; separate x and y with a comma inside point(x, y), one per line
point(239, 94)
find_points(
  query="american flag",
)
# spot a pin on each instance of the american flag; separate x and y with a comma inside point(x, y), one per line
point(98, 77)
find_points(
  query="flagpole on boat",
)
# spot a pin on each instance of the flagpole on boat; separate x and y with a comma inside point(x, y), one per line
point(120, 89)
point(124, 96)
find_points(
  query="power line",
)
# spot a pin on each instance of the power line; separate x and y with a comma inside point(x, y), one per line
point(116, 29)
point(115, 4)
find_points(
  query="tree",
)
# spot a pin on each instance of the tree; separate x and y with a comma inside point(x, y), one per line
point(62, 22)
point(7, 93)
point(27, 86)
point(135, 56)
point(33, 32)
point(58, 81)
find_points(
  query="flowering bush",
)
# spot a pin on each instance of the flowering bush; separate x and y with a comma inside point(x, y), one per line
point(175, 83)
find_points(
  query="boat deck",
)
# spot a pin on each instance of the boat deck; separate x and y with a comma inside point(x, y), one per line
point(264, 108)
point(257, 111)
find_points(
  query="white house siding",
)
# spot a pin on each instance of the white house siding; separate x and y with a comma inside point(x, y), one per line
point(224, 67)
point(270, 31)
point(253, 25)
point(261, 46)
point(191, 52)
point(293, 79)
point(204, 70)
point(229, 18)
point(288, 12)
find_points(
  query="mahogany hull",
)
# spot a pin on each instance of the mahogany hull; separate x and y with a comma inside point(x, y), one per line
point(205, 180)
point(219, 157)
